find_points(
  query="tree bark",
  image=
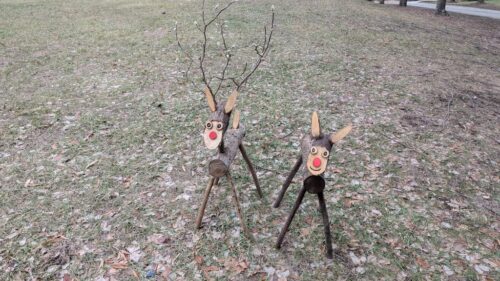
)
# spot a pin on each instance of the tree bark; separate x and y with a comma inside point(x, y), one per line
point(402, 3)
point(232, 141)
point(441, 8)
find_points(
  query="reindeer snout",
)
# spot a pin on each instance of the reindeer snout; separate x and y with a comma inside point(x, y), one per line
point(212, 135)
point(317, 162)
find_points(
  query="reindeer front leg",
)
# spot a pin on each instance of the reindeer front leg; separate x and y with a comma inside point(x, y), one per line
point(288, 180)
point(211, 183)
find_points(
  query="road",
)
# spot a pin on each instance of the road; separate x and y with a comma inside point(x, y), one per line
point(459, 9)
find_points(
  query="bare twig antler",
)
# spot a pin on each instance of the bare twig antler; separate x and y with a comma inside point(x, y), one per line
point(239, 80)
point(264, 50)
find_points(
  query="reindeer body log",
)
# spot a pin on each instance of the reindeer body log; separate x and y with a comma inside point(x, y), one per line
point(232, 141)
point(315, 150)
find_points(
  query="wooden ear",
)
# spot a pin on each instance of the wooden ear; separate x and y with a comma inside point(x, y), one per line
point(336, 137)
point(231, 101)
point(210, 99)
point(315, 127)
point(236, 119)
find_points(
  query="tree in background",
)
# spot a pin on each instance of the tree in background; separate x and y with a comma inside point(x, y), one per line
point(441, 8)
point(402, 3)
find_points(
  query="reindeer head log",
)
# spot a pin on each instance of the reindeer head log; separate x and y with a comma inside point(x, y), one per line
point(316, 147)
point(217, 124)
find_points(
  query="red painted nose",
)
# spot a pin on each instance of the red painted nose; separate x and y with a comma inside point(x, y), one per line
point(317, 162)
point(212, 135)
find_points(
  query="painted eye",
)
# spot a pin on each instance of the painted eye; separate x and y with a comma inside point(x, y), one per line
point(325, 154)
point(219, 126)
point(209, 125)
point(314, 150)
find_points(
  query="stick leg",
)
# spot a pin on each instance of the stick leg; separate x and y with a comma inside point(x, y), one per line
point(326, 224)
point(251, 169)
point(205, 200)
point(290, 217)
point(238, 208)
point(288, 180)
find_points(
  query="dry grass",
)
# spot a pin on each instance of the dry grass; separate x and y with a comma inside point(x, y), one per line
point(102, 167)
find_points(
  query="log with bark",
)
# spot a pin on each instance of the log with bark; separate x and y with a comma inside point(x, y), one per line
point(315, 150)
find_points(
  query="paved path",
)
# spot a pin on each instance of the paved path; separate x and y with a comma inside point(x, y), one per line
point(459, 9)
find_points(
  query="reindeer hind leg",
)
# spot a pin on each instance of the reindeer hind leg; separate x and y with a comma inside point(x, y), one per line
point(290, 217)
point(238, 208)
point(251, 169)
point(326, 224)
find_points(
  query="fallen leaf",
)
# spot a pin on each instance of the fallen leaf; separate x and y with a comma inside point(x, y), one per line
point(159, 239)
point(198, 259)
point(135, 253)
point(67, 277)
point(423, 263)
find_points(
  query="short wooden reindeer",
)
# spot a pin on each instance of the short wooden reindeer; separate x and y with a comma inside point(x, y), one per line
point(228, 141)
point(315, 150)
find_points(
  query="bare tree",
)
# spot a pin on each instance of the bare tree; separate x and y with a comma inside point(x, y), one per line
point(441, 8)
point(402, 3)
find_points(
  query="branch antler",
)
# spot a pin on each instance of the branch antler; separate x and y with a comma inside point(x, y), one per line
point(240, 79)
point(204, 49)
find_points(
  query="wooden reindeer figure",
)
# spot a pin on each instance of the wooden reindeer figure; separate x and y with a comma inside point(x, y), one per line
point(228, 141)
point(315, 149)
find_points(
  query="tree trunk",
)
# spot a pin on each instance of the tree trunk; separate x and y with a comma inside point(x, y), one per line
point(402, 3)
point(480, 1)
point(381, 1)
point(441, 8)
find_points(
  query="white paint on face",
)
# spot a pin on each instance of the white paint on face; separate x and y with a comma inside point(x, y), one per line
point(317, 160)
point(213, 134)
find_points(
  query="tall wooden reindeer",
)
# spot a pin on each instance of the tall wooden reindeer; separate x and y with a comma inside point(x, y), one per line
point(218, 134)
point(315, 150)
point(228, 141)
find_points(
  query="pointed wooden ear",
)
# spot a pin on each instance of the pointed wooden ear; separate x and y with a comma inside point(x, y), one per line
point(315, 128)
point(210, 99)
point(231, 101)
point(336, 137)
point(236, 119)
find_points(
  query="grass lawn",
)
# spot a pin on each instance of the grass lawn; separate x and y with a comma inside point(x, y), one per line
point(102, 163)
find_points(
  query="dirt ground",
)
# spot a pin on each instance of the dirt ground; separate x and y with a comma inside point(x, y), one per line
point(102, 163)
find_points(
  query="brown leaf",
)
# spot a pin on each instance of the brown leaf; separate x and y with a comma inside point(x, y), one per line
point(166, 273)
point(235, 265)
point(135, 274)
point(199, 260)
point(67, 277)
point(423, 263)
point(159, 239)
point(305, 231)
